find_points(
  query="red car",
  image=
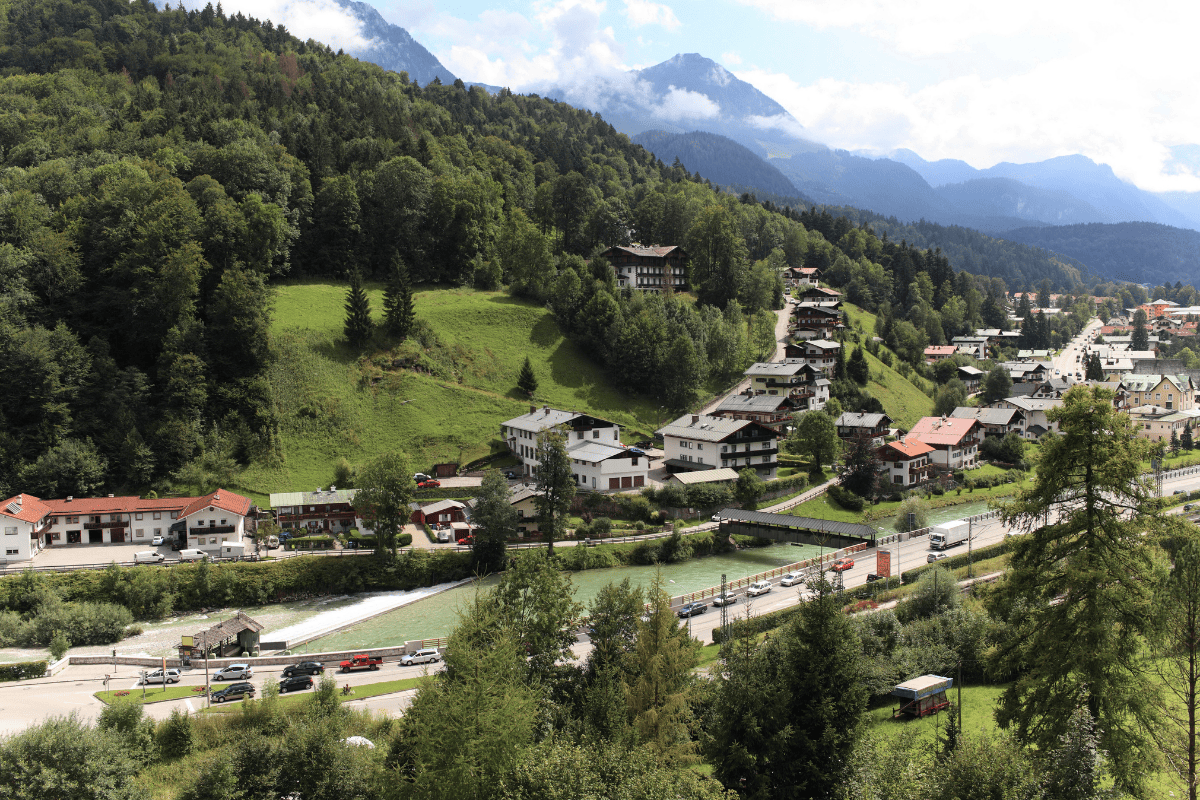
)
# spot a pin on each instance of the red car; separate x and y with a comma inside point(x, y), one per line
point(430, 484)
point(842, 564)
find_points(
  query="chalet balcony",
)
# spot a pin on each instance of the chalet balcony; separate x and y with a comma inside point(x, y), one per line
point(317, 515)
point(207, 531)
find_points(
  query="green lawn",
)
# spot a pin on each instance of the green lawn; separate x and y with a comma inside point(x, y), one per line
point(978, 706)
point(903, 401)
point(334, 404)
point(154, 694)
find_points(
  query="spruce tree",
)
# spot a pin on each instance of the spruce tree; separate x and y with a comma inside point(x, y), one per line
point(359, 327)
point(1095, 370)
point(398, 316)
point(1140, 340)
point(1186, 441)
point(857, 369)
point(526, 381)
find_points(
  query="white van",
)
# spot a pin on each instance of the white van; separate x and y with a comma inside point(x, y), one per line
point(234, 550)
point(193, 555)
point(148, 557)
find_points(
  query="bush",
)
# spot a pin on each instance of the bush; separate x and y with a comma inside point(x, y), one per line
point(960, 560)
point(124, 720)
point(59, 646)
point(66, 758)
point(846, 498)
point(22, 670)
point(175, 737)
point(403, 540)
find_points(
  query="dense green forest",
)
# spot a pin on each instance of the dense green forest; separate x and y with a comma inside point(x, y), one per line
point(162, 167)
point(1138, 252)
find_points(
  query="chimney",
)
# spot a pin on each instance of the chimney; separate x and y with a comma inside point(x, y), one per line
point(546, 410)
point(532, 409)
point(695, 418)
point(110, 495)
point(70, 498)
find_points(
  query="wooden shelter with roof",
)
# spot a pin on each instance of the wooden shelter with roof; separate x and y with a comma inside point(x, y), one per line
point(239, 633)
point(922, 696)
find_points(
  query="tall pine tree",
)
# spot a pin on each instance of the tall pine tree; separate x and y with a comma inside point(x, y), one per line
point(526, 381)
point(398, 316)
point(359, 327)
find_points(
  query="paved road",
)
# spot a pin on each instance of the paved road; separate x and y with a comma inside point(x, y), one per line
point(1065, 362)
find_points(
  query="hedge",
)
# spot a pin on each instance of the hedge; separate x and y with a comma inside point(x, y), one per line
point(846, 498)
point(22, 670)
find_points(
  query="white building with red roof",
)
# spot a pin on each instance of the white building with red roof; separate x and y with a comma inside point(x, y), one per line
point(955, 441)
point(198, 522)
point(906, 462)
point(22, 520)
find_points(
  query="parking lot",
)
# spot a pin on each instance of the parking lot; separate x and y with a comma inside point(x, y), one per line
point(77, 555)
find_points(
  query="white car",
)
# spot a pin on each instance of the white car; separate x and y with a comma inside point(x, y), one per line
point(162, 676)
point(758, 587)
point(791, 579)
point(234, 672)
point(423, 656)
point(727, 599)
point(157, 540)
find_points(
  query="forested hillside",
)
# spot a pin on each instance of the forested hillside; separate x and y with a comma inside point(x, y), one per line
point(1138, 252)
point(161, 168)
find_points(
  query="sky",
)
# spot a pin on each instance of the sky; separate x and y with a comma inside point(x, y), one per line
point(983, 82)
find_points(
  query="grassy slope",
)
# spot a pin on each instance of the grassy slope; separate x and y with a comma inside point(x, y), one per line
point(328, 413)
point(903, 401)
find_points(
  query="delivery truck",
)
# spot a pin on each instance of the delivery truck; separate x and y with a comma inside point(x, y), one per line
point(948, 534)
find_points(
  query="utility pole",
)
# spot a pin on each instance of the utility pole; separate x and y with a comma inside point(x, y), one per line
point(724, 608)
point(960, 697)
point(970, 542)
point(207, 688)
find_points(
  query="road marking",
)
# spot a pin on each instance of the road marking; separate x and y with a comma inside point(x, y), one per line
point(188, 703)
point(136, 684)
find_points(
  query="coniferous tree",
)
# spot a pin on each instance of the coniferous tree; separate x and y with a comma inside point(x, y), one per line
point(857, 369)
point(1140, 340)
point(555, 487)
point(1092, 565)
point(359, 326)
point(1095, 370)
point(398, 315)
point(1186, 441)
point(526, 381)
point(496, 519)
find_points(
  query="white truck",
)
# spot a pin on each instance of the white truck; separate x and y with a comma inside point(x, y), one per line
point(948, 534)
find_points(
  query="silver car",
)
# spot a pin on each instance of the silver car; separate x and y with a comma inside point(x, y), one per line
point(234, 672)
point(162, 676)
point(423, 656)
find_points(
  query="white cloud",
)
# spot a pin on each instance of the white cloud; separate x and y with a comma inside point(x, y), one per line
point(322, 20)
point(682, 104)
point(644, 12)
point(1117, 88)
point(731, 58)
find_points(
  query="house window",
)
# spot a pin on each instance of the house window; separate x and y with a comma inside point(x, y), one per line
point(699, 446)
point(137, 516)
point(158, 515)
point(174, 515)
point(595, 434)
point(222, 522)
point(139, 532)
point(10, 531)
point(158, 531)
point(56, 537)
point(12, 552)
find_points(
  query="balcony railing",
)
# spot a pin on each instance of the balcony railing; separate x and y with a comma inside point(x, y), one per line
point(92, 526)
point(212, 529)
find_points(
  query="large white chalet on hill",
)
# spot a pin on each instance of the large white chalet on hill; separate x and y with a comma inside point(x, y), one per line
point(598, 459)
point(649, 267)
point(697, 442)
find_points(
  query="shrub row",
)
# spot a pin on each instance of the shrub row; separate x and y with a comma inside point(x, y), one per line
point(155, 593)
point(845, 498)
point(22, 670)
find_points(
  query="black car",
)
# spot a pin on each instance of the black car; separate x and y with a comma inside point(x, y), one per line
point(692, 609)
point(234, 691)
point(304, 668)
point(295, 683)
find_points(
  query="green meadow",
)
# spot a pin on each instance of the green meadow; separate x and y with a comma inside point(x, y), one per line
point(337, 402)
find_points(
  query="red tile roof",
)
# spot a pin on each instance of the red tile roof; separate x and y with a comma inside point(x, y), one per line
point(222, 499)
point(116, 505)
point(25, 507)
point(945, 431)
point(941, 350)
point(909, 447)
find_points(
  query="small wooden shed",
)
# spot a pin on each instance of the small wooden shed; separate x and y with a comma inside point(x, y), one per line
point(922, 696)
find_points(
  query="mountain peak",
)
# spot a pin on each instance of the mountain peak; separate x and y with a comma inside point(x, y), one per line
point(392, 47)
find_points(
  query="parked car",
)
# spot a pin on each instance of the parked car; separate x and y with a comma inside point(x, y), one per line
point(162, 676)
point(692, 609)
point(791, 579)
point(429, 484)
point(234, 691)
point(716, 517)
point(360, 661)
point(303, 668)
point(148, 557)
point(644, 443)
point(842, 564)
point(295, 683)
point(727, 599)
point(157, 540)
point(426, 655)
point(932, 557)
point(421, 476)
point(757, 588)
point(510, 475)
point(234, 672)
point(872, 577)
point(1188, 506)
